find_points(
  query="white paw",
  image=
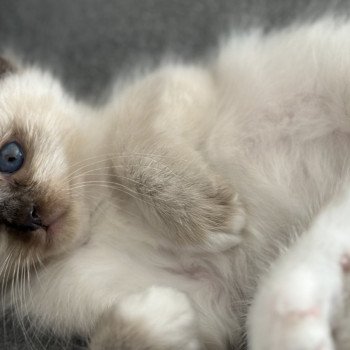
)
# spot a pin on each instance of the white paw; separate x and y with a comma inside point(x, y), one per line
point(293, 311)
point(220, 241)
point(167, 314)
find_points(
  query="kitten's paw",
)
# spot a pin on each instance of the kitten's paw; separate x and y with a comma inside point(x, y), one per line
point(167, 314)
point(293, 312)
point(159, 319)
point(230, 233)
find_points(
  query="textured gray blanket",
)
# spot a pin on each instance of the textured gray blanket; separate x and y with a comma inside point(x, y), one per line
point(90, 42)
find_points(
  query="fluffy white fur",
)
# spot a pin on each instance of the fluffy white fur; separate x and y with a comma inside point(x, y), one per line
point(184, 189)
point(301, 302)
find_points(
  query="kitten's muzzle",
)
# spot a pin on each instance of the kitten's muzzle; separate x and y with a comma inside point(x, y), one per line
point(24, 218)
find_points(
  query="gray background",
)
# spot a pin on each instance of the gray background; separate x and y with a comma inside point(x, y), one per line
point(88, 43)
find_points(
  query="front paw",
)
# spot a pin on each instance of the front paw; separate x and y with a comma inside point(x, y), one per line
point(179, 196)
point(211, 217)
point(159, 319)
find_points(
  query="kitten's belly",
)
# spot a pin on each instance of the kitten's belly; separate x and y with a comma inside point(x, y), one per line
point(283, 170)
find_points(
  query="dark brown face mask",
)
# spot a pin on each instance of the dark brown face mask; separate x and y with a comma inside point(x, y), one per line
point(20, 214)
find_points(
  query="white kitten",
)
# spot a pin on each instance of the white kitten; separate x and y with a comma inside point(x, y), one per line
point(147, 223)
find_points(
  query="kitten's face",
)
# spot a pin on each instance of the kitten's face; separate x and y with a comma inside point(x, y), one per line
point(39, 212)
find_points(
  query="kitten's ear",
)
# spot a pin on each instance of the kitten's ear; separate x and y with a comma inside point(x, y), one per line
point(5, 67)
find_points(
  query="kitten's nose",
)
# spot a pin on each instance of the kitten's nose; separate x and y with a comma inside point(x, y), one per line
point(24, 217)
point(33, 219)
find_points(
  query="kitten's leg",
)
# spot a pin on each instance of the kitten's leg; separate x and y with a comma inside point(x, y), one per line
point(177, 193)
point(158, 319)
point(157, 130)
point(296, 304)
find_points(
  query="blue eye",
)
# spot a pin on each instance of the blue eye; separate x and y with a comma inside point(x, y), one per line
point(11, 157)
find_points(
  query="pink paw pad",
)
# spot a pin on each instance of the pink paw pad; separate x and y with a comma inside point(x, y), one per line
point(345, 263)
point(296, 315)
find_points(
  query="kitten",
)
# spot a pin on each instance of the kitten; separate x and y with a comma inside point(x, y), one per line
point(147, 223)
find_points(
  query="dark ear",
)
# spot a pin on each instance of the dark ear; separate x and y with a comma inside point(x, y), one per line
point(5, 66)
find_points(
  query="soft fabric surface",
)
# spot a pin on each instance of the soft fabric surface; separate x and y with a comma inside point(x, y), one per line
point(88, 43)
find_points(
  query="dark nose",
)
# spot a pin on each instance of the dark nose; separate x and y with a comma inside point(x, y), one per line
point(33, 220)
point(23, 217)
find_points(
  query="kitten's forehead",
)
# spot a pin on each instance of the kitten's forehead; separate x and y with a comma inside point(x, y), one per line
point(30, 94)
